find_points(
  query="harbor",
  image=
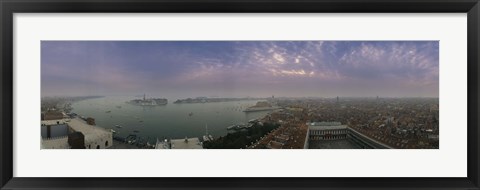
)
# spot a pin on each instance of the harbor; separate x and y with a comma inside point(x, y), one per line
point(140, 126)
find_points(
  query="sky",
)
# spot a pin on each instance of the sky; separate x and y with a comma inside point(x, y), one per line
point(182, 69)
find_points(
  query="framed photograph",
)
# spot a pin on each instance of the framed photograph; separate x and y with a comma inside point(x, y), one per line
point(201, 94)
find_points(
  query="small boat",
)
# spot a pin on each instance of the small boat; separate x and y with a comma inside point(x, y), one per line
point(136, 131)
point(190, 114)
point(231, 127)
point(118, 126)
point(108, 111)
point(237, 126)
point(113, 131)
point(140, 121)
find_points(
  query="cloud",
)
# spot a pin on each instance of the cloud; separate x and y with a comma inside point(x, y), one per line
point(132, 66)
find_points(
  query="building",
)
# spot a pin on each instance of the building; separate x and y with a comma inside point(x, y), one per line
point(334, 135)
point(57, 134)
point(275, 145)
point(187, 143)
point(327, 131)
point(52, 115)
point(76, 140)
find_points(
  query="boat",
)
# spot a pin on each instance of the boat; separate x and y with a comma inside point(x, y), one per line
point(118, 126)
point(255, 109)
point(207, 137)
point(231, 127)
point(190, 114)
point(236, 126)
point(113, 131)
point(136, 131)
point(261, 106)
point(132, 138)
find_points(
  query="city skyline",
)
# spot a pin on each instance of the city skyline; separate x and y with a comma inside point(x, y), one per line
point(241, 68)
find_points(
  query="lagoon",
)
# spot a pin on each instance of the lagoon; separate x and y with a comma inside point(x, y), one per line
point(166, 121)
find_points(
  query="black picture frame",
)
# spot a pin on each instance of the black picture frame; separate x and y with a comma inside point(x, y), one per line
point(9, 7)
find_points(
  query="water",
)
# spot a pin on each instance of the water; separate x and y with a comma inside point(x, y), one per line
point(170, 121)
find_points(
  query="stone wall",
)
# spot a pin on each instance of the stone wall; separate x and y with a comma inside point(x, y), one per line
point(55, 143)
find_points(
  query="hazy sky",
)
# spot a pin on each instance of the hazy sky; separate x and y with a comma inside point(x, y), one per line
point(180, 69)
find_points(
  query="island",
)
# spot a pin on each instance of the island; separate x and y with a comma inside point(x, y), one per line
point(208, 100)
point(149, 101)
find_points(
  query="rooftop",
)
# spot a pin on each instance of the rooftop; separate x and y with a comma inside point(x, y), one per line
point(55, 121)
point(275, 145)
point(90, 132)
point(323, 123)
point(333, 144)
point(326, 127)
point(191, 143)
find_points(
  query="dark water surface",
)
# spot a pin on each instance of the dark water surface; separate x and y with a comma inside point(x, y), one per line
point(170, 121)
